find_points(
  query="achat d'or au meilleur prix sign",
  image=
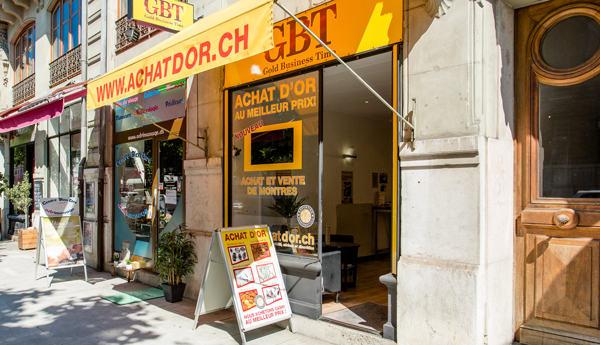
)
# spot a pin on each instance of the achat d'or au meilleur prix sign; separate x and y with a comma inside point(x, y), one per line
point(168, 15)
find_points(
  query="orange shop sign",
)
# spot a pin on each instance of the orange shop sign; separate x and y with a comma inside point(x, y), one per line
point(169, 15)
point(233, 33)
point(348, 27)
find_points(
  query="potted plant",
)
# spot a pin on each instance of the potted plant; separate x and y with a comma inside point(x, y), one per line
point(175, 258)
point(20, 196)
point(287, 206)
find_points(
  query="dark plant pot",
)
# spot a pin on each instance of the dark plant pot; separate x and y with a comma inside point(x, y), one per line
point(173, 293)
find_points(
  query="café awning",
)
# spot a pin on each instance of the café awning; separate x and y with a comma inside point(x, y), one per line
point(43, 108)
point(240, 30)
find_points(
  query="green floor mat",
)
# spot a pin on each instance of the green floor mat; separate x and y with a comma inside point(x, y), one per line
point(135, 296)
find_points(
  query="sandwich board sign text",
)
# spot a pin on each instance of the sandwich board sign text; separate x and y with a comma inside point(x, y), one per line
point(60, 234)
point(244, 258)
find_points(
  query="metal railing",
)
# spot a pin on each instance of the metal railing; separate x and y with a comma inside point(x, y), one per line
point(66, 66)
point(122, 25)
point(24, 90)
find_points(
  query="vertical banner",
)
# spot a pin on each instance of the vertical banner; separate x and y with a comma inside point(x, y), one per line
point(247, 259)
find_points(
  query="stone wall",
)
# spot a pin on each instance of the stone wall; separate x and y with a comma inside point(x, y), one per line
point(455, 271)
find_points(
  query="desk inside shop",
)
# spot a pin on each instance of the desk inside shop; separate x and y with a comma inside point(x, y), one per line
point(129, 269)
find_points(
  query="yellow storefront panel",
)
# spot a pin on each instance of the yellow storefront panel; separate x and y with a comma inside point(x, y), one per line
point(347, 26)
point(233, 33)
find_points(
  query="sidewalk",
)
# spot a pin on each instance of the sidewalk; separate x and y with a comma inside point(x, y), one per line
point(72, 311)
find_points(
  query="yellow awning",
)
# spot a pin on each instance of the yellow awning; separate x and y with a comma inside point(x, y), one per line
point(233, 33)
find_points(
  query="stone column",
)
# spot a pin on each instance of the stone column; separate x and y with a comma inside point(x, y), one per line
point(455, 273)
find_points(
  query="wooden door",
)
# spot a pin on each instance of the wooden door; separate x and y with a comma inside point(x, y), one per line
point(557, 200)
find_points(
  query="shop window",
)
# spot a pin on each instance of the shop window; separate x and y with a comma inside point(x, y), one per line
point(275, 160)
point(64, 152)
point(25, 54)
point(66, 26)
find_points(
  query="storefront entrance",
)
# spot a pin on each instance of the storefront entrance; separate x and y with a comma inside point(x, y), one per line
point(357, 188)
point(148, 185)
point(321, 143)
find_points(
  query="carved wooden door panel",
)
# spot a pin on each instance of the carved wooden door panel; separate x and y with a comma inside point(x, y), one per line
point(557, 200)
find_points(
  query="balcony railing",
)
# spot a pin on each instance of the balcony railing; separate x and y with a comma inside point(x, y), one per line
point(122, 25)
point(24, 90)
point(65, 67)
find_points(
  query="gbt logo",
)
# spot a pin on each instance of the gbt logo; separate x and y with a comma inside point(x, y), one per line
point(165, 9)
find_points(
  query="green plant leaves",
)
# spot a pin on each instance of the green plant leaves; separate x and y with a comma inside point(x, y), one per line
point(19, 194)
point(286, 205)
point(175, 255)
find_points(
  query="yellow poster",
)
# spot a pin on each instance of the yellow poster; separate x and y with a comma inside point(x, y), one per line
point(348, 27)
point(258, 288)
point(233, 33)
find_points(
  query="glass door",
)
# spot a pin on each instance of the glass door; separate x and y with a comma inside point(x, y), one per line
point(134, 201)
point(170, 184)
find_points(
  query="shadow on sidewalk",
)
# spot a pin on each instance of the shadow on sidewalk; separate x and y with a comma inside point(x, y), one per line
point(72, 310)
point(33, 316)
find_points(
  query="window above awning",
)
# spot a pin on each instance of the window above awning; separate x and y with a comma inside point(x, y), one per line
point(40, 109)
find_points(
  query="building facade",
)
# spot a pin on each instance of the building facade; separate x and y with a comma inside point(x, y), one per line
point(478, 226)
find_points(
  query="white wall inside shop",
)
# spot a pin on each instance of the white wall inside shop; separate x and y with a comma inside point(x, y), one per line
point(371, 139)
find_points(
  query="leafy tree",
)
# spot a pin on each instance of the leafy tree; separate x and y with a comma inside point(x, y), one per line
point(20, 196)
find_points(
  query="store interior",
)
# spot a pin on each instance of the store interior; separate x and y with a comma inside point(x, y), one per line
point(357, 189)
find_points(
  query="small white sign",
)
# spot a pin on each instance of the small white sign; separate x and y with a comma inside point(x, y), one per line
point(171, 197)
point(59, 207)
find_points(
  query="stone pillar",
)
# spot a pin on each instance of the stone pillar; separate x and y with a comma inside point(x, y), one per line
point(456, 270)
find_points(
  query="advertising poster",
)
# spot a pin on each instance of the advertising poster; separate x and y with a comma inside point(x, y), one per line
point(38, 187)
point(258, 290)
point(347, 187)
point(62, 236)
point(89, 198)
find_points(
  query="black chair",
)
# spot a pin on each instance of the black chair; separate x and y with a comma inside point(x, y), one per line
point(349, 259)
point(342, 238)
